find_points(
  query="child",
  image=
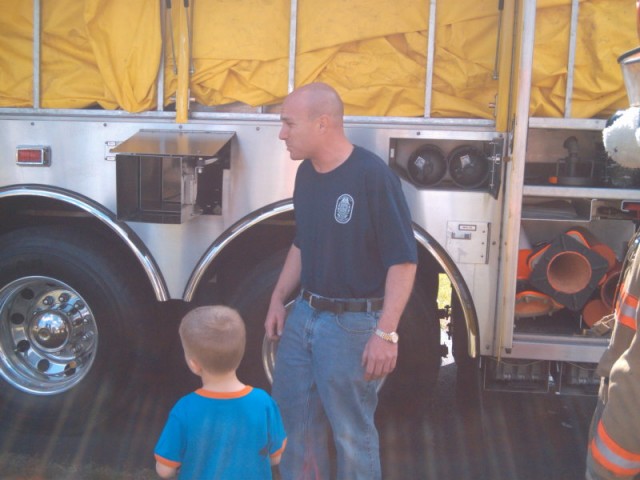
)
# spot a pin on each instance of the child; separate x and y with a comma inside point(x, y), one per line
point(224, 430)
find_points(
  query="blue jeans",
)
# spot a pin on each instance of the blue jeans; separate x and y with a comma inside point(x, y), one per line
point(320, 388)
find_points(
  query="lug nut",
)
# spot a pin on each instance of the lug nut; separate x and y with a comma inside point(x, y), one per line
point(22, 346)
point(43, 365)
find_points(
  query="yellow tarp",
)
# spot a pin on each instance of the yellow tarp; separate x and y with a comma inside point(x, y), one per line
point(106, 53)
point(607, 28)
point(94, 52)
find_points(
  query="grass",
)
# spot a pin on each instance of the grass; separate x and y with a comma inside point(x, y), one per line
point(444, 296)
point(23, 467)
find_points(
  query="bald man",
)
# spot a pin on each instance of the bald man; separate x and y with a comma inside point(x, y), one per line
point(353, 262)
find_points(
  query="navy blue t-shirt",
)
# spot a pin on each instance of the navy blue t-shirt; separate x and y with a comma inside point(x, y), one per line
point(352, 224)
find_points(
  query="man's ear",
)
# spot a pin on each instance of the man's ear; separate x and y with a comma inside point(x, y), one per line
point(323, 123)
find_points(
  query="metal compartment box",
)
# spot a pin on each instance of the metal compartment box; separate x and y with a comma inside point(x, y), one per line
point(167, 176)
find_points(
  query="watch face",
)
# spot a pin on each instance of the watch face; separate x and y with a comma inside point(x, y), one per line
point(389, 337)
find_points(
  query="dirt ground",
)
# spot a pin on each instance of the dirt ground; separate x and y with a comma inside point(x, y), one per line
point(510, 436)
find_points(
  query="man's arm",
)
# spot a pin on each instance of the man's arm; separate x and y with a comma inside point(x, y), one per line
point(379, 357)
point(288, 281)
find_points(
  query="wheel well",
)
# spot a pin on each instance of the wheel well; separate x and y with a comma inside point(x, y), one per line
point(237, 259)
point(246, 244)
point(240, 256)
point(17, 212)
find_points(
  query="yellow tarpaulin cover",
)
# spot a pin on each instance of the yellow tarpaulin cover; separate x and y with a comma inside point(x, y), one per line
point(94, 52)
point(106, 53)
point(607, 28)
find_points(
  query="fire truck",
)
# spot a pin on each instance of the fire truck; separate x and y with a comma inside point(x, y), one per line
point(141, 170)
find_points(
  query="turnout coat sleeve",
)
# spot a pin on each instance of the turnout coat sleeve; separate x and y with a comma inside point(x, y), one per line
point(614, 442)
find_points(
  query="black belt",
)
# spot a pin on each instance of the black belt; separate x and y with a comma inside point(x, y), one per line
point(341, 305)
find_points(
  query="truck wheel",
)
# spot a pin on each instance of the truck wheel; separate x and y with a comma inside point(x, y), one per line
point(69, 328)
point(412, 385)
point(251, 298)
point(415, 378)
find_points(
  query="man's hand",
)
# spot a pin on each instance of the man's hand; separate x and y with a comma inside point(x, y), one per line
point(379, 358)
point(288, 281)
point(274, 322)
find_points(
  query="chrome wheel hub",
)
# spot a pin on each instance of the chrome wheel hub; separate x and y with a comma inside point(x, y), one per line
point(48, 336)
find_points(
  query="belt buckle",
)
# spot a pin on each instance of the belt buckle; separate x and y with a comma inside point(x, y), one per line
point(312, 297)
point(315, 301)
point(324, 304)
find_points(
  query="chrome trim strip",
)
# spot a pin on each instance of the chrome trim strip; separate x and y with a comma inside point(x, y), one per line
point(431, 42)
point(96, 210)
point(571, 123)
point(458, 283)
point(566, 349)
point(117, 115)
point(571, 60)
point(293, 45)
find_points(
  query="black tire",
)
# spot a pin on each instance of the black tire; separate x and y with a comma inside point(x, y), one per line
point(410, 386)
point(68, 302)
point(251, 298)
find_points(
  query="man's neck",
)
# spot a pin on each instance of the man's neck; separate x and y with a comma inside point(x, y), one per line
point(333, 158)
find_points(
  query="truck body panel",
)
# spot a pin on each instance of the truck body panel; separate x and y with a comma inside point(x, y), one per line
point(490, 113)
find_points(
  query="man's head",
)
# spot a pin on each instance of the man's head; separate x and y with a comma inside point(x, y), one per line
point(311, 116)
point(213, 337)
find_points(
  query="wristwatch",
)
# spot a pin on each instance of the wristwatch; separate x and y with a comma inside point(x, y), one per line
point(391, 337)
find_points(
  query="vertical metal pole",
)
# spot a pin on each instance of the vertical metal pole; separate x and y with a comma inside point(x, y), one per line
point(571, 61)
point(428, 83)
point(515, 183)
point(293, 43)
point(160, 76)
point(184, 54)
point(36, 53)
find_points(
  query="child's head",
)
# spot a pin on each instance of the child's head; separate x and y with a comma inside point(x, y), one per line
point(215, 337)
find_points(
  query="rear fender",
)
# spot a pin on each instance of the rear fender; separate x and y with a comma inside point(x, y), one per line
point(103, 215)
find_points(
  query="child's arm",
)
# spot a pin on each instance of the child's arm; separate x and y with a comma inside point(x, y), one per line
point(164, 471)
point(277, 455)
point(275, 459)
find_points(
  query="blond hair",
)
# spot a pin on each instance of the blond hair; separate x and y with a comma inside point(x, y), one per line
point(214, 336)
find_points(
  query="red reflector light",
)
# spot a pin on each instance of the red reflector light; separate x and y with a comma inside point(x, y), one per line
point(32, 156)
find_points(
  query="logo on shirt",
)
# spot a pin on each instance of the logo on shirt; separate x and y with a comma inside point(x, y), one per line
point(344, 208)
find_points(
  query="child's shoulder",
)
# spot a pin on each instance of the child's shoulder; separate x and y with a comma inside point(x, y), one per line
point(259, 393)
point(256, 391)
